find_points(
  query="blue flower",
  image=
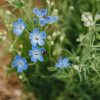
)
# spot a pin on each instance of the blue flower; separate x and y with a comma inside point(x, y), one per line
point(19, 27)
point(51, 19)
point(37, 37)
point(40, 13)
point(62, 63)
point(43, 18)
point(20, 63)
point(36, 54)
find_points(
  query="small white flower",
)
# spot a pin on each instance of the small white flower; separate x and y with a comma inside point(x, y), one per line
point(62, 38)
point(87, 19)
point(76, 67)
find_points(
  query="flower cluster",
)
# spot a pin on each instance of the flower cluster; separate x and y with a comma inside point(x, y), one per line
point(87, 19)
point(37, 38)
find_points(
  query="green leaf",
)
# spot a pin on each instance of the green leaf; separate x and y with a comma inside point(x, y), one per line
point(98, 36)
point(52, 68)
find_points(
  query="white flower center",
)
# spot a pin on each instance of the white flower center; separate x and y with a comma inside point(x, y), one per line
point(20, 63)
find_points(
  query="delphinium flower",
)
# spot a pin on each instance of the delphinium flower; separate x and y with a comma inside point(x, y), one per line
point(36, 54)
point(62, 63)
point(37, 37)
point(43, 18)
point(20, 63)
point(19, 26)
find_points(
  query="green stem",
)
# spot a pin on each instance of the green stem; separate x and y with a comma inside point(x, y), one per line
point(26, 80)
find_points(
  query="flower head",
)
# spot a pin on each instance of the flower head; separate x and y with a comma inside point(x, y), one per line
point(43, 18)
point(62, 63)
point(40, 13)
point(19, 26)
point(20, 63)
point(36, 54)
point(37, 37)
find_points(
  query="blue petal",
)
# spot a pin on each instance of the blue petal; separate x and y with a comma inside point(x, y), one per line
point(19, 23)
point(40, 58)
point(34, 47)
point(41, 42)
point(40, 13)
point(62, 63)
point(34, 42)
point(17, 31)
point(58, 65)
point(14, 63)
point(23, 25)
point(30, 52)
point(19, 69)
point(35, 31)
point(36, 12)
point(43, 12)
point(42, 21)
point(51, 19)
point(43, 35)
point(41, 49)
point(25, 66)
point(16, 25)
point(34, 59)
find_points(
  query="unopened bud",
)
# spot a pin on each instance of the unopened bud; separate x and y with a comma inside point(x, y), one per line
point(49, 37)
point(52, 42)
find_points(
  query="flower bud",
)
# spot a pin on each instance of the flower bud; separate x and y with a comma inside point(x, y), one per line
point(52, 42)
point(49, 37)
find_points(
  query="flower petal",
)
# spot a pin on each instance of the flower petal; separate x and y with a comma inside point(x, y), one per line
point(34, 59)
point(34, 42)
point(14, 63)
point(51, 19)
point(17, 31)
point(25, 66)
point(34, 47)
point(43, 12)
point(36, 12)
point(35, 31)
point(42, 21)
point(43, 35)
point(41, 42)
point(40, 58)
point(19, 69)
point(19, 23)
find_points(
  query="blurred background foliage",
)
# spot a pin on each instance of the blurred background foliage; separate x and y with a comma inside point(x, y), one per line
point(68, 37)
